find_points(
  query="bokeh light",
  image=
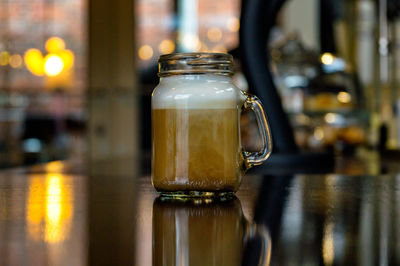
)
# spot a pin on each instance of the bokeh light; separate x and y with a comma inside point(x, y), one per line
point(145, 52)
point(68, 58)
point(191, 43)
point(318, 133)
point(233, 24)
point(34, 61)
point(55, 44)
point(331, 118)
point(327, 58)
point(344, 97)
point(53, 65)
point(15, 61)
point(4, 58)
point(166, 47)
point(214, 34)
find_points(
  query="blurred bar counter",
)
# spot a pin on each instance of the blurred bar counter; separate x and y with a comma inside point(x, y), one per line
point(59, 214)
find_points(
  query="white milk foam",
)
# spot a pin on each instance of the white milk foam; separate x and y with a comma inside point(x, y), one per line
point(205, 91)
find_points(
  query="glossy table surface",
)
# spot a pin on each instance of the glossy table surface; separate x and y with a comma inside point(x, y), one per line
point(58, 214)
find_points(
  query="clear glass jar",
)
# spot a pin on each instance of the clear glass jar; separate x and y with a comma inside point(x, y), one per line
point(195, 126)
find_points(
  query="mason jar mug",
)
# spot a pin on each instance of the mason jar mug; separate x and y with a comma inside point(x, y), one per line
point(196, 149)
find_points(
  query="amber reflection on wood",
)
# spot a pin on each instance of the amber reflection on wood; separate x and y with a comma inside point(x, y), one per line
point(49, 208)
point(190, 234)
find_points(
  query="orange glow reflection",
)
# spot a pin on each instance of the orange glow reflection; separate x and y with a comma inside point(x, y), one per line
point(55, 166)
point(34, 210)
point(49, 208)
point(328, 247)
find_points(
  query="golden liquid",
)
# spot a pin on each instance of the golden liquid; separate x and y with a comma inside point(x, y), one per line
point(196, 150)
point(197, 234)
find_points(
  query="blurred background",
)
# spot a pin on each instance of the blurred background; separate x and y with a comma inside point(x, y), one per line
point(335, 64)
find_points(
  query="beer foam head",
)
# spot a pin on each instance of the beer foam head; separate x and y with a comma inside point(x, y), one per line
point(205, 91)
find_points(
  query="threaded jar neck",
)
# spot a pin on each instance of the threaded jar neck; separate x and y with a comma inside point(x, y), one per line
point(195, 63)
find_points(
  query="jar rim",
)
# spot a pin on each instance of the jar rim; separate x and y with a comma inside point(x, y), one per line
point(195, 63)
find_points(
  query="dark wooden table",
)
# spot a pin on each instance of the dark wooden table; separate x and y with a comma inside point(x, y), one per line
point(58, 214)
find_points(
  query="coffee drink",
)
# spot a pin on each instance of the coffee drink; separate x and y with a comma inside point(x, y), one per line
point(196, 140)
point(196, 149)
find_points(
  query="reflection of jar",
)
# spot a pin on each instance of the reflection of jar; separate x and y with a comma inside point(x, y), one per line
point(202, 232)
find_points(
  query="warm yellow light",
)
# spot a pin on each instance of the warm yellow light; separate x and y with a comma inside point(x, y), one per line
point(35, 207)
point(54, 167)
point(55, 44)
point(327, 58)
point(15, 61)
point(344, 97)
point(53, 208)
point(68, 58)
point(219, 49)
point(191, 42)
point(319, 133)
point(330, 117)
point(214, 34)
point(145, 52)
point(328, 245)
point(166, 47)
point(49, 208)
point(59, 209)
point(53, 65)
point(233, 24)
point(34, 61)
point(4, 58)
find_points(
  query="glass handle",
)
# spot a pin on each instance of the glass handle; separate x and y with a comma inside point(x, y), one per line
point(257, 158)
